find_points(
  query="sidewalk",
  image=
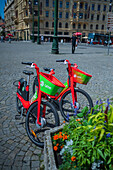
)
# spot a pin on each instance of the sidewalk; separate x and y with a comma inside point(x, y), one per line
point(16, 150)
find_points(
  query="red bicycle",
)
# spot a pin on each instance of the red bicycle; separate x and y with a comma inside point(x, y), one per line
point(41, 115)
point(70, 100)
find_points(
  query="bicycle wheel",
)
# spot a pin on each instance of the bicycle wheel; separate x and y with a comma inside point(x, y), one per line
point(51, 120)
point(66, 106)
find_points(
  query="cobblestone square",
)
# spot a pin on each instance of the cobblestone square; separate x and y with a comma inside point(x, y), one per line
point(16, 150)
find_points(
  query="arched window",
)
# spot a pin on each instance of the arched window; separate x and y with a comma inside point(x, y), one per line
point(47, 24)
point(79, 26)
point(102, 27)
point(97, 27)
point(66, 25)
point(60, 25)
point(91, 26)
point(84, 26)
point(73, 25)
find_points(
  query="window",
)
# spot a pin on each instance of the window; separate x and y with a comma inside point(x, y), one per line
point(47, 13)
point(35, 13)
point(97, 17)
point(46, 32)
point(75, 5)
point(66, 25)
point(81, 5)
point(91, 26)
point(93, 7)
point(60, 5)
point(67, 15)
point(103, 18)
point(73, 25)
point(47, 3)
point(59, 33)
point(104, 9)
point(98, 8)
point(53, 3)
point(97, 27)
point(80, 15)
point(66, 33)
point(110, 8)
point(35, 2)
point(60, 14)
point(60, 25)
point(53, 14)
point(85, 16)
point(102, 27)
point(67, 4)
point(74, 15)
point(52, 24)
point(92, 16)
point(86, 5)
point(79, 26)
point(35, 23)
point(47, 24)
point(84, 26)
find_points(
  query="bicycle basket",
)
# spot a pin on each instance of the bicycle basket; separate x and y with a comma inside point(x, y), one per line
point(80, 76)
point(50, 84)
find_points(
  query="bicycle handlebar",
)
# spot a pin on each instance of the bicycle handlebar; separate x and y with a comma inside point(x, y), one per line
point(48, 69)
point(27, 63)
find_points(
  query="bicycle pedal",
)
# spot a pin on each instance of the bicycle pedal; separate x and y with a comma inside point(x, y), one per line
point(17, 117)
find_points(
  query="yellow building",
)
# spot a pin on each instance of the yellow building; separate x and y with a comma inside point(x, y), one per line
point(86, 16)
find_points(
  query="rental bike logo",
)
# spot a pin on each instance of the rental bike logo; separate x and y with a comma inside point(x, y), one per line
point(45, 85)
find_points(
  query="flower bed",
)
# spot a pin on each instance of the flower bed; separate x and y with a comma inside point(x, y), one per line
point(86, 142)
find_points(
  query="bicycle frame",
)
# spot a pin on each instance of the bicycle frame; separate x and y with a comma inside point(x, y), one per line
point(26, 104)
point(69, 85)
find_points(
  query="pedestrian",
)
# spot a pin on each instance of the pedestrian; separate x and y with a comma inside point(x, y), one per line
point(2, 38)
point(73, 43)
point(91, 41)
point(9, 39)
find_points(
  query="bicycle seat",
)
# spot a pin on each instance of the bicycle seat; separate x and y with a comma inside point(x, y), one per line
point(28, 72)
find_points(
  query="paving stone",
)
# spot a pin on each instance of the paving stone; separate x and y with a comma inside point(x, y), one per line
point(13, 138)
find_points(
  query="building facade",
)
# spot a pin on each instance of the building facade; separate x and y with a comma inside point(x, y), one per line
point(86, 16)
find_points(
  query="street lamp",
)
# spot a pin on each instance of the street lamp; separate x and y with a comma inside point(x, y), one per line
point(38, 35)
point(33, 40)
point(55, 38)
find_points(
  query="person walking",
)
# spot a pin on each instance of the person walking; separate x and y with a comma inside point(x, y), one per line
point(73, 43)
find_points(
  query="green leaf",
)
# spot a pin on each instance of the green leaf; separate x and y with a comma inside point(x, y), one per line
point(100, 153)
point(101, 134)
point(80, 115)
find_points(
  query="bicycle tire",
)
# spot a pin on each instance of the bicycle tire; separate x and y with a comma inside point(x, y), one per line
point(35, 133)
point(67, 110)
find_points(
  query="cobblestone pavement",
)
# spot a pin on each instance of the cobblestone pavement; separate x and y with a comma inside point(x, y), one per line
point(16, 150)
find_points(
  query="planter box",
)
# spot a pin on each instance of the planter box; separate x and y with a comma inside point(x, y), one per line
point(49, 158)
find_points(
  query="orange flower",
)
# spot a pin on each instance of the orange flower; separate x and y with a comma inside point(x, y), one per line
point(73, 158)
point(60, 136)
point(77, 119)
point(55, 137)
point(64, 121)
point(64, 137)
point(62, 146)
point(55, 148)
point(57, 144)
point(60, 133)
point(75, 166)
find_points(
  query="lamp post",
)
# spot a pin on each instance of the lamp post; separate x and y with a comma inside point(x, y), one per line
point(38, 33)
point(33, 40)
point(55, 38)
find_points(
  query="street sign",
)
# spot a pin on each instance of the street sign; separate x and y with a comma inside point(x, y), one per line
point(110, 22)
